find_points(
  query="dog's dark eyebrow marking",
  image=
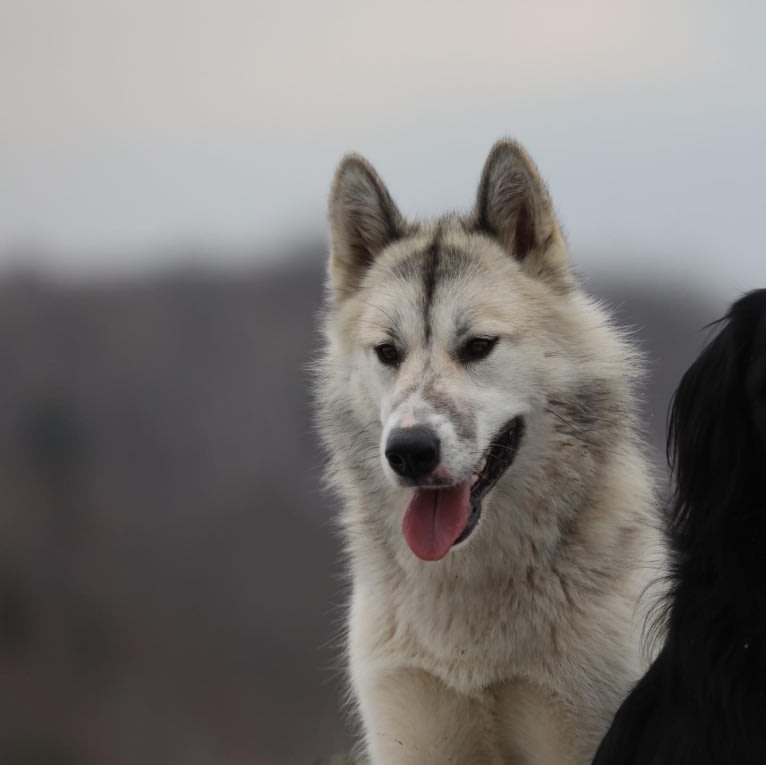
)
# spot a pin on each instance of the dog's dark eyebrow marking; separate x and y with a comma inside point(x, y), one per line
point(455, 260)
point(389, 327)
point(430, 270)
point(409, 268)
point(462, 329)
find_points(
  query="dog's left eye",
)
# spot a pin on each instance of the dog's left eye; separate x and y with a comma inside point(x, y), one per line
point(477, 348)
point(388, 354)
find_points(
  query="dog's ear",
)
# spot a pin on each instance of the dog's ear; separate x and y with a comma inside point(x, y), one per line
point(363, 220)
point(513, 206)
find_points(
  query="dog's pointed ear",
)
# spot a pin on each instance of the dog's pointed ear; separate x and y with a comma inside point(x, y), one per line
point(513, 206)
point(363, 220)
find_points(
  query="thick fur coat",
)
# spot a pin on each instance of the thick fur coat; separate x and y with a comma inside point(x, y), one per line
point(496, 619)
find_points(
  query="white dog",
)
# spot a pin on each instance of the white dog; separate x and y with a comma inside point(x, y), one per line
point(499, 516)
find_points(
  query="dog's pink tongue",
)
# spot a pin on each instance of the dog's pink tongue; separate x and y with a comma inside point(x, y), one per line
point(435, 518)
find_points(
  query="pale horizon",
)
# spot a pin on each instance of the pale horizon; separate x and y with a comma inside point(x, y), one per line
point(133, 132)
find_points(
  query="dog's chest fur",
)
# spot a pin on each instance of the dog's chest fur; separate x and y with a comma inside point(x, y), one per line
point(530, 618)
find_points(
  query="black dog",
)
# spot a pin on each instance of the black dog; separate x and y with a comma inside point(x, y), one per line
point(703, 700)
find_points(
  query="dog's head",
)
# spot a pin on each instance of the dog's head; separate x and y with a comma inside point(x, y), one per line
point(717, 434)
point(453, 336)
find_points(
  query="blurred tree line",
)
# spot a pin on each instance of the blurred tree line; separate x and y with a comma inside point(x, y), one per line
point(169, 585)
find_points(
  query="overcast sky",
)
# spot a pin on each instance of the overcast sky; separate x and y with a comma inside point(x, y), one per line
point(130, 131)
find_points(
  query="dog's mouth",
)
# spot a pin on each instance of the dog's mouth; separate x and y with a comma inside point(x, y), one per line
point(437, 519)
point(496, 460)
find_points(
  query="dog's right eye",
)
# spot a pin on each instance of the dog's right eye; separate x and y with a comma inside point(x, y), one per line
point(388, 354)
point(477, 348)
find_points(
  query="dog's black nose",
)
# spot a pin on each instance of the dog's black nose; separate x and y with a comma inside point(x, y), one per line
point(413, 452)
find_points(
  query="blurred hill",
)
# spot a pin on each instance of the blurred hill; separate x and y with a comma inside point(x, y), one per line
point(169, 586)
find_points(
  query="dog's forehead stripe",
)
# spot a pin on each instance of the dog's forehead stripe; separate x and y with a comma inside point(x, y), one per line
point(439, 262)
point(430, 271)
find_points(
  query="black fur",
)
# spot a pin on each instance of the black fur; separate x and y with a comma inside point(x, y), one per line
point(703, 701)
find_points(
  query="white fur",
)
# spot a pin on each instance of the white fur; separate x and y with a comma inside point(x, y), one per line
point(519, 645)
